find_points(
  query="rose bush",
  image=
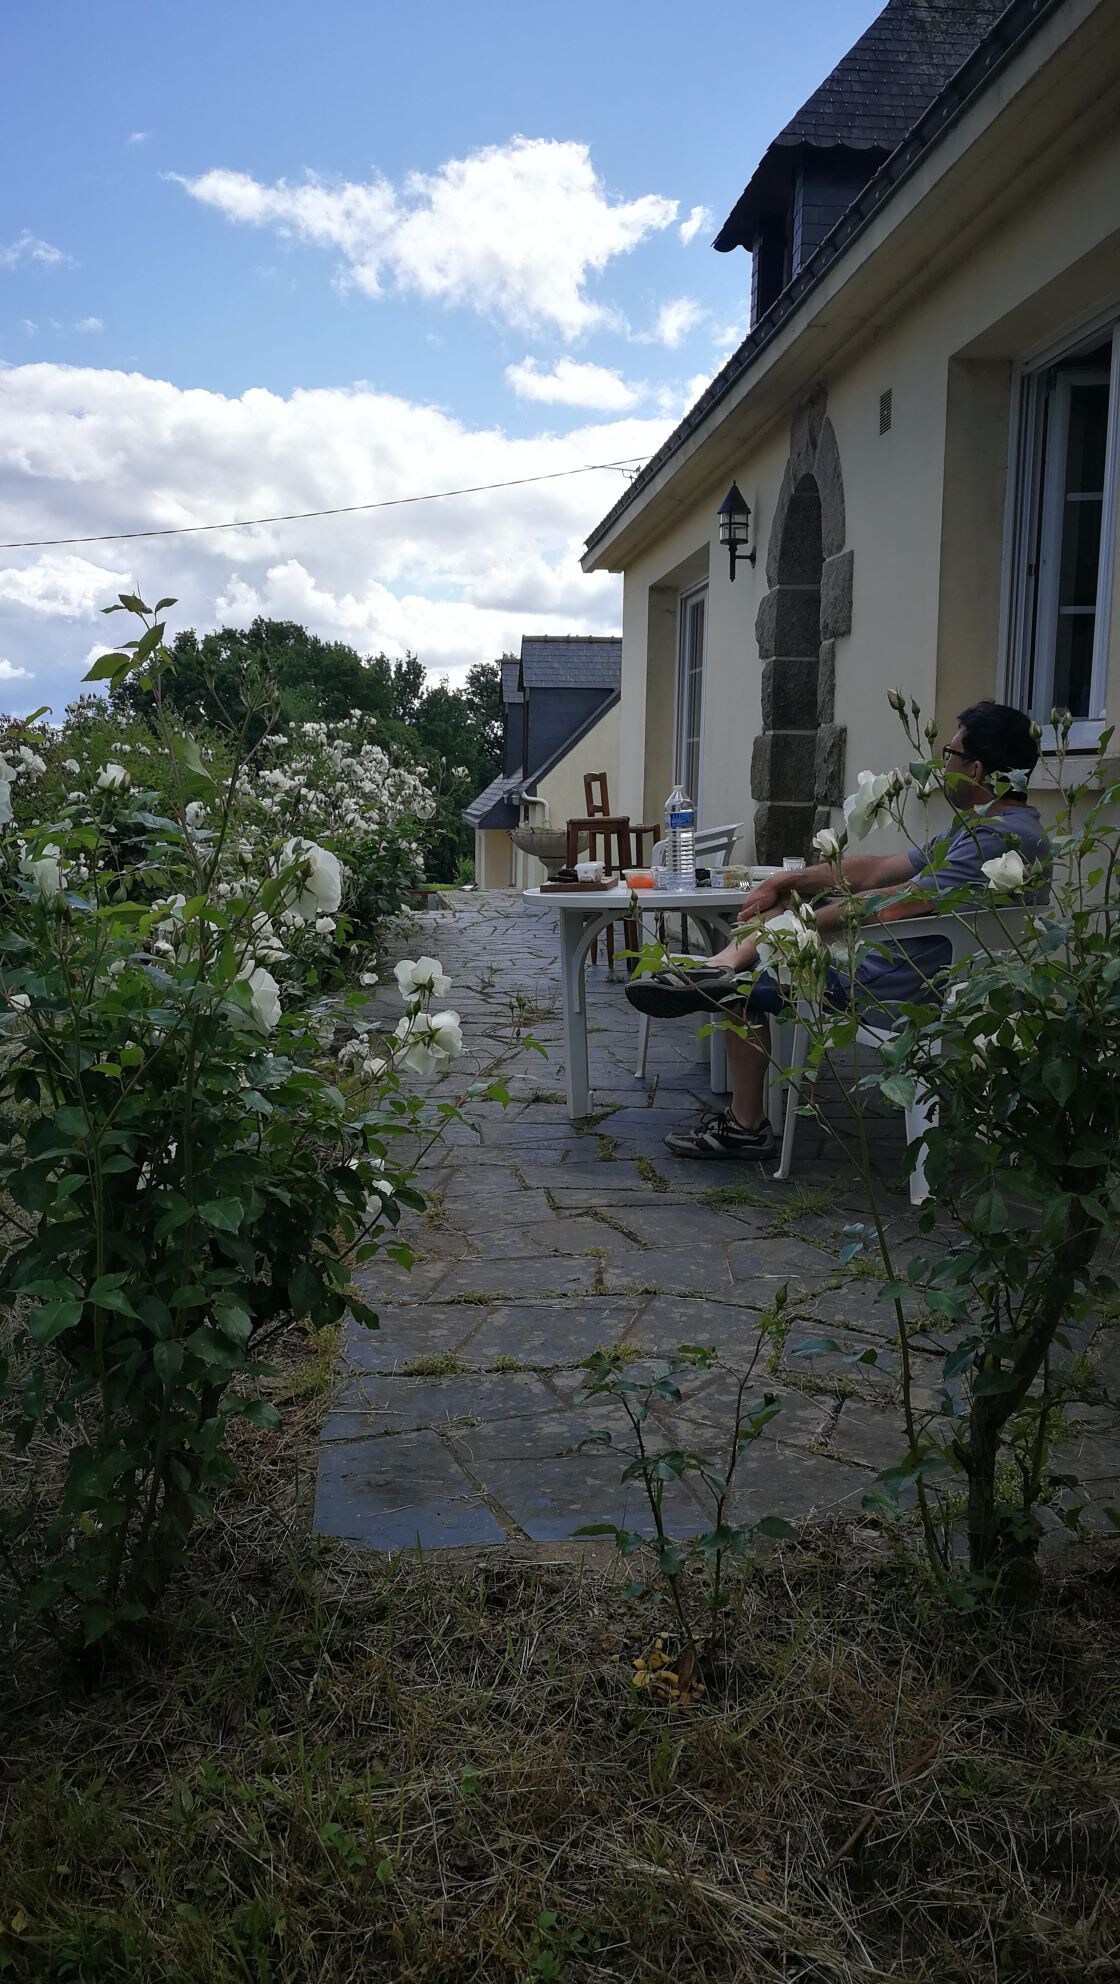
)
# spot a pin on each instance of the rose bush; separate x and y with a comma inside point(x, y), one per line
point(185, 1174)
point(1018, 1049)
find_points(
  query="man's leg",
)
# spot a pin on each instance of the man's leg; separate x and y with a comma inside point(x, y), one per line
point(742, 1130)
point(747, 1057)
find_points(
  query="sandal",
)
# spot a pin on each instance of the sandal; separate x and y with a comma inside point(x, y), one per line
point(670, 994)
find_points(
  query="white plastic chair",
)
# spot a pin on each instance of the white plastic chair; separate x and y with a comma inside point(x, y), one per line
point(712, 848)
point(983, 930)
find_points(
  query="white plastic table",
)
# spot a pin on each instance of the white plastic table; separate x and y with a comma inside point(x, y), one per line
point(583, 917)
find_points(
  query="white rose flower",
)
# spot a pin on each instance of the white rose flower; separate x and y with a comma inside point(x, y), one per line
point(72, 766)
point(265, 996)
point(321, 893)
point(430, 1041)
point(20, 1000)
point(828, 843)
point(114, 778)
point(864, 806)
point(419, 975)
point(44, 870)
point(195, 814)
point(324, 926)
point(32, 761)
point(368, 978)
point(788, 940)
point(1004, 871)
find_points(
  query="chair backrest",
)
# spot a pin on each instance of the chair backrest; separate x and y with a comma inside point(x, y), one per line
point(972, 930)
point(714, 845)
point(595, 803)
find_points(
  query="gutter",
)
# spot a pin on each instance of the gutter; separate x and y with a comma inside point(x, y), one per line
point(1014, 28)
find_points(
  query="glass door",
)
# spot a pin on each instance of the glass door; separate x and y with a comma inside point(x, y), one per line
point(692, 641)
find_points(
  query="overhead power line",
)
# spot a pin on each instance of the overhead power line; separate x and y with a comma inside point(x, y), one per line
point(304, 516)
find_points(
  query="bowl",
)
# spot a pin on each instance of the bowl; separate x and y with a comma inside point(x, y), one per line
point(639, 878)
point(548, 844)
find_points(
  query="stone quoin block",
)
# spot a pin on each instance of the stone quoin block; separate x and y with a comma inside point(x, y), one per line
point(826, 682)
point(832, 739)
point(836, 596)
point(783, 766)
point(780, 830)
point(789, 693)
point(830, 482)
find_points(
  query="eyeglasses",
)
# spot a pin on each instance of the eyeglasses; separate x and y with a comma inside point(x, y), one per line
point(948, 752)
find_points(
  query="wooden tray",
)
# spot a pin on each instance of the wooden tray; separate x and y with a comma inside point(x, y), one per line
point(583, 888)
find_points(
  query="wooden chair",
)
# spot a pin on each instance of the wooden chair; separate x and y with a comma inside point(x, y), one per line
point(619, 840)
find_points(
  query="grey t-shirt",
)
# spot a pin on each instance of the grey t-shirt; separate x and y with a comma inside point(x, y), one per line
point(903, 968)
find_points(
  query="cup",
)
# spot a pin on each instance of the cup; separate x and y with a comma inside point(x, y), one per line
point(792, 862)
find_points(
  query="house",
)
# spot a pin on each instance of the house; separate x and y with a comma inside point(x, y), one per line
point(560, 706)
point(923, 417)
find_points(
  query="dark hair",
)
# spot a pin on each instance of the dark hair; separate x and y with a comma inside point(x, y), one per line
point(999, 736)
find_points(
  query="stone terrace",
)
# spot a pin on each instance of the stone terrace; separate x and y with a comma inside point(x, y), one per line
point(455, 1422)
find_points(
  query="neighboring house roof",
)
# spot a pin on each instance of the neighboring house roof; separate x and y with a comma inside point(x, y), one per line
point(874, 96)
point(576, 737)
point(499, 792)
point(1013, 27)
point(571, 661)
point(510, 691)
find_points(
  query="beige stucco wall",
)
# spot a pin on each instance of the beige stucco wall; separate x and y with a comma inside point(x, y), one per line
point(925, 503)
point(493, 858)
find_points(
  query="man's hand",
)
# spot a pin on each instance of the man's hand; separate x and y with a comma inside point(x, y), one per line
point(759, 901)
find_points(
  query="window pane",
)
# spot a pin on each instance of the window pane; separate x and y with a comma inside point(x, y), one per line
point(1073, 663)
point(1088, 424)
point(1065, 572)
point(691, 693)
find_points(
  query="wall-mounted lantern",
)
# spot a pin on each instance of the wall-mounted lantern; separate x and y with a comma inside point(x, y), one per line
point(735, 527)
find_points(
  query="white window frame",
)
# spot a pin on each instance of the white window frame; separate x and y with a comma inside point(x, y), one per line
point(1033, 517)
point(681, 768)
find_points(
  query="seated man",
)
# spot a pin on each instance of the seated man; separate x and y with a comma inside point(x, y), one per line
point(990, 740)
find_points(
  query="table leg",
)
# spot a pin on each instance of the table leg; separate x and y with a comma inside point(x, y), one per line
point(572, 955)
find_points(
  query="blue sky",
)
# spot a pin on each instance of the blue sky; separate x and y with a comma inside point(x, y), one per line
point(265, 257)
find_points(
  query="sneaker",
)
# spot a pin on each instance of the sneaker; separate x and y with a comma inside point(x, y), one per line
point(723, 1136)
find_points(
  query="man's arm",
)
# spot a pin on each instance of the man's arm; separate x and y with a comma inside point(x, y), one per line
point(865, 873)
point(860, 871)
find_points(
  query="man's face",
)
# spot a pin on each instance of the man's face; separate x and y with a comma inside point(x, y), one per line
point(964, 775)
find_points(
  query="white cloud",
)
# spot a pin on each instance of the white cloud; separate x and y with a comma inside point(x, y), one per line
point(673, 323)
point(29, 248)
point(62, 586)
point(699, 217)
point(85, 324)
point(29, 325)
point(138, 137)
point(513, 231)
point(570, 384)
point(10, 673)
point(85, 450)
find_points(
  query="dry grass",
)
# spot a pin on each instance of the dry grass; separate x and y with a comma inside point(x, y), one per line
point(328, 1768)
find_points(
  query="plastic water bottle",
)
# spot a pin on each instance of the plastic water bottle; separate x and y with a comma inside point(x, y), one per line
point(680, 836)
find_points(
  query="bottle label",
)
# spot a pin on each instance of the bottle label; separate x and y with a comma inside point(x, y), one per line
point(680, 820)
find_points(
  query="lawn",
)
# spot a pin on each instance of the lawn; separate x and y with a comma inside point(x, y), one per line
point(322, 1766)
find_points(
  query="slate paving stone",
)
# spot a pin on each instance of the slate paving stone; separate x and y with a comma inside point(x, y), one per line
point(541, 1274)
point(549, 1333)
point(406, 1333)
point(375, 1402)
point(477, 1451)
point(400, 1494)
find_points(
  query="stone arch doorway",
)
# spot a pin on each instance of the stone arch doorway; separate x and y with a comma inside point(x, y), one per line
point(797, 768)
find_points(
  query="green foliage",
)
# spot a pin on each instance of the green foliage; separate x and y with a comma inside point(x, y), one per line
point(681, 1565)
point(185, 1181)
point(452, 736)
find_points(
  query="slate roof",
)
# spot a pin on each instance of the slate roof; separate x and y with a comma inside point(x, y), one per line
point(571, 661)
point(874, 96)
point(497, 793)
point(1014, 26)
point(510, 691)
